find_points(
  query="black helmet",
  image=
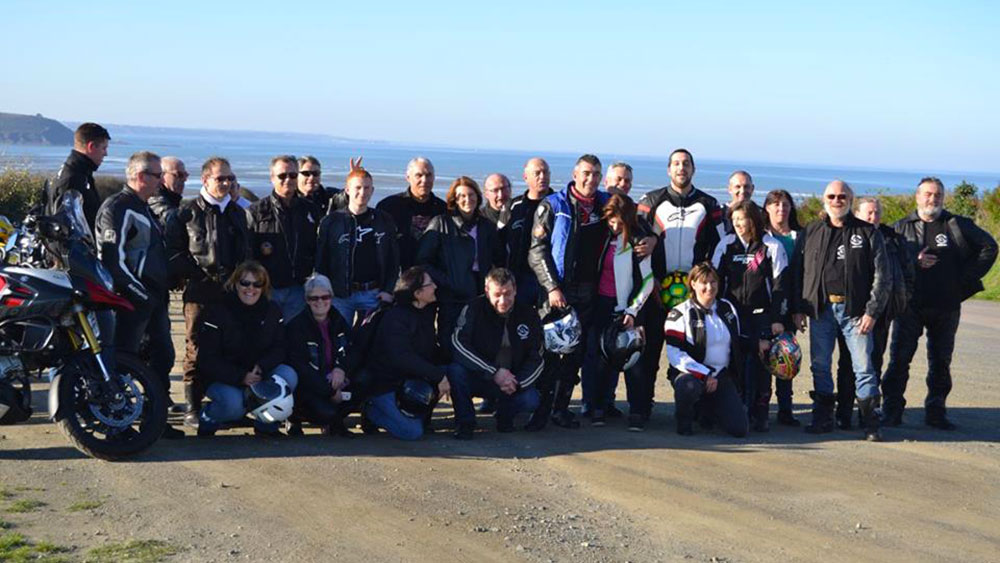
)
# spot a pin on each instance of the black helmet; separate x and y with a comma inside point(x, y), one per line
point(622, 346)
point(415, 398)
point(15, 404)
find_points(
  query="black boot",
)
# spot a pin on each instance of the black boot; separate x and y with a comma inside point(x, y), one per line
point(760, 421)
point(561, 415)
point(870, 418)
point(540, 417)
point(787, 418)
point(936, 417)
point(822, 413)
point(845, 410)
point(193, 397)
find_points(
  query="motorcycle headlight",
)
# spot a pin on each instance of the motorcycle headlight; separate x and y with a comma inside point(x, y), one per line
point(105, 276)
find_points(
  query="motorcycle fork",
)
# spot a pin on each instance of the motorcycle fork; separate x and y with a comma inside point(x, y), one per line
point(92, 343)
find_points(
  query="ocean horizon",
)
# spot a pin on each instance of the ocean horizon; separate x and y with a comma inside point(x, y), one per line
point(250, 153)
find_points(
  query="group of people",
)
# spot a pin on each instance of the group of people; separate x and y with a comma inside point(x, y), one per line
point(385, 310)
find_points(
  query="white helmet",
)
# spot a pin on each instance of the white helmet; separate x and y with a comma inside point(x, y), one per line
point(562, 331)
point(271, 399)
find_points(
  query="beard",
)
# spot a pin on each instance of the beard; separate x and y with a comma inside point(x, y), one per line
point(930, 211)
point(836, 213)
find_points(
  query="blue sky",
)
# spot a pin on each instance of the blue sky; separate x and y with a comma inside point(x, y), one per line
point(876, 84)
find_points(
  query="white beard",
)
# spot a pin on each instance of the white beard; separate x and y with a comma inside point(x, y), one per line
point(930, 212)
point(836, 214)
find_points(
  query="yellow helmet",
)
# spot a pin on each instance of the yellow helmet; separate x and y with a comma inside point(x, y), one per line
point(6, 229)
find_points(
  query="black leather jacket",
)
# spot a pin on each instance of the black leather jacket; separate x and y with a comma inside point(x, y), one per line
point(163, 203)
point(327, 200)
point(204, 246)
point(449, 252)
point(479, 333)
point(518, 232)
point(77, 173)
point(131, 247)
point(977, 250)
point(283, 238)
point(335, 250)
point(234, 337)
point(306, 355)
point(405, 346)
point(867, 278)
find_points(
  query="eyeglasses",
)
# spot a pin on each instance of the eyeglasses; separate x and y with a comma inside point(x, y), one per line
point(316, 298)
point(178, 174)
point(287, 176)
point(253, 284)
point(156, 175)
point(307, 173)
point(838, 197)
point(225, 179)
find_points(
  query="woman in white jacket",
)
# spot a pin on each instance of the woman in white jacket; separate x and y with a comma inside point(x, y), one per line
point(624, 283)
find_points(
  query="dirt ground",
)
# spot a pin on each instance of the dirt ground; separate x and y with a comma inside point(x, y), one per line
point(594, 494)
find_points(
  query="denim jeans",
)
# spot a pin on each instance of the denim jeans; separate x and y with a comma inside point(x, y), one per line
point(227, 400)
point(382, 410)
point(823, 330)
point(291, 300)
point(465, 385)
point(357, 303)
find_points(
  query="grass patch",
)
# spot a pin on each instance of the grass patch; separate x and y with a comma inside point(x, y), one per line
point(85, 505)
point(5, 525)
point(15, 548)
point(132, 551)
point(6, 493)
point(25, 505)
point(35, 489)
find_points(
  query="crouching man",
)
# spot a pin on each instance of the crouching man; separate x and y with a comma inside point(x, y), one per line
point(498, 355)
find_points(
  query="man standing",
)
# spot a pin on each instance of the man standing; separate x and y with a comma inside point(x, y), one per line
point(567, 242)
point(618, 180)
point(951, 255)
point(498, 355)
point(844, 291)
point(518, 235)
point(131, 248)
point(412, 210)
point(740, 188)
point(90, 146)
point(686, 221)
point(357, 250)
point(310, 186)
point(869, 209)
point(496, 191)
point(206, 239)
point(168, 197)
point(283, 236)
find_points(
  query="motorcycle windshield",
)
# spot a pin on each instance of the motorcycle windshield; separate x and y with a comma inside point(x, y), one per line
point(72, 210)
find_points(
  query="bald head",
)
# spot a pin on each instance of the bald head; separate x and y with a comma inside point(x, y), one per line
point(537, 176)
point(496, 190)
point(740, 187)
point(838, 199)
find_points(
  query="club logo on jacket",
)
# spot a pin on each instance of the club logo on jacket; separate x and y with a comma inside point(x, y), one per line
point(941, 240)
point(523, 331)
point(857, 241)
point(110, 236)
point(841, 252)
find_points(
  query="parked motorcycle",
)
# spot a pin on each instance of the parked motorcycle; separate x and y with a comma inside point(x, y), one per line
point(48, 324)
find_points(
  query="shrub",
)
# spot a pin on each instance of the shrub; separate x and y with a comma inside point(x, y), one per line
point(962, 199)
point(20, 190)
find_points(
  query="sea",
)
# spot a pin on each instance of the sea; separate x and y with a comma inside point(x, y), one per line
point(250, 153)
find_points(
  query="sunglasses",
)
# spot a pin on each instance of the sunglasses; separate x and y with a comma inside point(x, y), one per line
point(838, 197)
point(317, 298)
point(156, 175)
point(309, 173)
point(254, 284)
point(225, 179)
point(287, 176)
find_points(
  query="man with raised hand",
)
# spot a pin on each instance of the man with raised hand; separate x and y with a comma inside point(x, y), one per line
point(950, 256)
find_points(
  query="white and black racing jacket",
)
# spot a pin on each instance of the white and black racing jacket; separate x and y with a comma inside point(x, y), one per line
point(687, 227)
point(753, 276)
point(130, 245)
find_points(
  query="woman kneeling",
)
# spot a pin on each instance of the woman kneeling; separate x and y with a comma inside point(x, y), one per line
point(241, 342)
point(705, 350)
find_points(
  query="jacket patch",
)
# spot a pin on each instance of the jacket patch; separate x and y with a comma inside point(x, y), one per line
point(110, 236)
point(523, 331)
point(941, 240)
point(857, 241)
point(674, 314)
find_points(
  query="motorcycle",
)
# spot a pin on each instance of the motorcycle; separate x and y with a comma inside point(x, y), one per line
point(52, 289)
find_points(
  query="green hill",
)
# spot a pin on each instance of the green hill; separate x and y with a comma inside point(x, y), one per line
point(33, 130)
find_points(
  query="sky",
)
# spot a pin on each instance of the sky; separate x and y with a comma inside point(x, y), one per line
point(885, 84)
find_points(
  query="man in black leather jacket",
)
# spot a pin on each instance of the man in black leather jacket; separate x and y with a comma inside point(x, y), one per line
point(131, 248)
point(357, 250)
point(951, 255)
point(90, 146)
point(206, 239)
point(310, 186)
point(283, 236)
point(413, 209)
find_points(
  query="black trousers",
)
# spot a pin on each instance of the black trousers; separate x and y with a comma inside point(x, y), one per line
point(153, 320)
point(845, 370)
point(941, 327)
point(641, 381)
point(562, 370)
point(724, 405)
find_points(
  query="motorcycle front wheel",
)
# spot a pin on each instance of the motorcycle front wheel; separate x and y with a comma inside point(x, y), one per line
point(112, 426)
